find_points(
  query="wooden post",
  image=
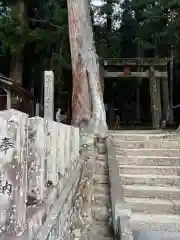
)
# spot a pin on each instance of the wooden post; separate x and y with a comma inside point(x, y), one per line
point(154, 87)
point(48, 95)
point(138, 109)
point(32, 112)
point(158, 83)
point(171, 115)
point(8, 103)
point(101, 74)
point(165, 98)
point(138, 117)
point(37, 109)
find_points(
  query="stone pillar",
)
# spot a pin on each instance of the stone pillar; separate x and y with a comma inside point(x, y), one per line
point(36, 163)
point(154, 87)
point(48, 95)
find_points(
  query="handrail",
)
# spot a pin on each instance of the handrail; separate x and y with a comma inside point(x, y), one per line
point(121, 213)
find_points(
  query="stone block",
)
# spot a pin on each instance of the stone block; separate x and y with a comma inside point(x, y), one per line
point(36, 160)
point(13, 154)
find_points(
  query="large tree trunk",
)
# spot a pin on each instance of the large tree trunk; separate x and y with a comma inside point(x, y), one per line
point(85, 66)
point(16, 68)
point(16, 65)
point(81, 102)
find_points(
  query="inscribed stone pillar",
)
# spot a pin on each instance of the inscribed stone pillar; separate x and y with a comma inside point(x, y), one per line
point(13, 168)
point(48, 95)
point(154, 87)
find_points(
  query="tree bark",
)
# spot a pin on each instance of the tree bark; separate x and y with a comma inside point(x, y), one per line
point(81, 102)
point(85, 66)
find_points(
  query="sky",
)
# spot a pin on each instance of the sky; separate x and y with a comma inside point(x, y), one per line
point(101, 19)
point(97, 2)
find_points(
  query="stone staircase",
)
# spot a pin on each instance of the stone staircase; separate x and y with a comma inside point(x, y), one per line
point(149, 168)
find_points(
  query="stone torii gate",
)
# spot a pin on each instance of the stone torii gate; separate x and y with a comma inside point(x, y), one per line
point(154, 69)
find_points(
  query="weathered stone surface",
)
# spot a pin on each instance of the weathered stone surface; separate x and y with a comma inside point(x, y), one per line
point(149, 160)
point(164, 192)
point(51, 147)
point(155, 222)
point(156, 170)
point(13, 153)
point(43, 151)
point(156, 180)
point(143, 135)
point(149, 152)
point(151, 205)
point(36, 160)
point(155, 144)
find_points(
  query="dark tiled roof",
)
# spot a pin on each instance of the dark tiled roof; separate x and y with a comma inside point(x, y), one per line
point(14, 86)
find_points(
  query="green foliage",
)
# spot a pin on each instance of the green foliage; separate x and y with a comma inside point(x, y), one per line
point(42, 33)
point(13, 31)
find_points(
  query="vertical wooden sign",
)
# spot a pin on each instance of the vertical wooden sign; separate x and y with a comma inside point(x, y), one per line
point(48, 95)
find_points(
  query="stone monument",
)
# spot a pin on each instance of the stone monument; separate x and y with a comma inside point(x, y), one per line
point(48, 95)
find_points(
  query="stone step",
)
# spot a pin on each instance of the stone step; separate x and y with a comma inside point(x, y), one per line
point(101, 199)
point(148, 152)
point(99, 188)
point(141, 169)
point(142, 131)
point(144, 191)
point(155, 235)
point(101, 178)
point(101, 167)
point(101, 213)
point(147, 144)
point(143, 136)
point(152, 179)
point(101, 158)
point(155, 222)
point(149, 160)
point(94, 236)
point(102, 228)
point(156, 205)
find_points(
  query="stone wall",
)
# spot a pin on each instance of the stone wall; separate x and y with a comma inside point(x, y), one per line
point(39, 177)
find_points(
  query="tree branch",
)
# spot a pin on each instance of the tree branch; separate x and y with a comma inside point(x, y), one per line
point(45, 21)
